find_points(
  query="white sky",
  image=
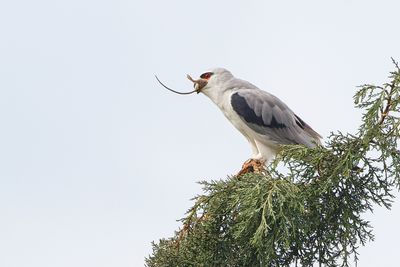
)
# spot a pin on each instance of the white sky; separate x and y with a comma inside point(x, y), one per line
point(96, 160)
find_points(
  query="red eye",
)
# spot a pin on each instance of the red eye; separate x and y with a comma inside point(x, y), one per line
point(206, 75)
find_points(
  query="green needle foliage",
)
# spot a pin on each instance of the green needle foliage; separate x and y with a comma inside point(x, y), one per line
point(310, 213)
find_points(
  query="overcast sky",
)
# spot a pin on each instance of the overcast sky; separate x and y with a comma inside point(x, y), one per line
point(97, 160)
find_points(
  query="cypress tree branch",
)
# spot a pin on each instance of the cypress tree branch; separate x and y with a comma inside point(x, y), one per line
point(308, 208)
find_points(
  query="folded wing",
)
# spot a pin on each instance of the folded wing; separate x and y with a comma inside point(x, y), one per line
point(269, 116)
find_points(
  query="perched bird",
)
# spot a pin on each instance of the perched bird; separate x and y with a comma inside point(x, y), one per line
point(261, 117)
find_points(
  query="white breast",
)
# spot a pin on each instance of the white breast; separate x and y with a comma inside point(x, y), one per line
point(262, 147)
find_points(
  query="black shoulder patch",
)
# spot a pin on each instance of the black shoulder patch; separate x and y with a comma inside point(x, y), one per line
point(241, 107)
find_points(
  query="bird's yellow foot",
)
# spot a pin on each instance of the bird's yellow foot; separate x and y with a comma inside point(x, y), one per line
point(252, 165)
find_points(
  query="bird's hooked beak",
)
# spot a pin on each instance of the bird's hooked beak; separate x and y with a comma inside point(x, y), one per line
point(197, 84)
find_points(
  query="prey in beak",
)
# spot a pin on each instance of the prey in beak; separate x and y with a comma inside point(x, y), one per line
point(197, 84)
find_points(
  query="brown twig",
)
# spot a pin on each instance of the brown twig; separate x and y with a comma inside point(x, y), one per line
point(385, 112)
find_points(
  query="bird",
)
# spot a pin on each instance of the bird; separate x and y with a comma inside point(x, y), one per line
point(262, 118)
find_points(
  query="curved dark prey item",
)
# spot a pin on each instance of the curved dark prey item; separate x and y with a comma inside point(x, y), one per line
point(176, 92)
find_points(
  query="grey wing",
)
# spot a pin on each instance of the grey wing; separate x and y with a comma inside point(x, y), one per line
point(267, 115)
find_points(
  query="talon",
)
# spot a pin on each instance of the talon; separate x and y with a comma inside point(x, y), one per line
point(252, 165)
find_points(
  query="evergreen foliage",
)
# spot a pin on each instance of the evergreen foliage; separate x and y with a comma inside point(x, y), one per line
point(310, 213)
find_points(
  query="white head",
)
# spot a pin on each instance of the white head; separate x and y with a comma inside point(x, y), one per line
point(212, 82)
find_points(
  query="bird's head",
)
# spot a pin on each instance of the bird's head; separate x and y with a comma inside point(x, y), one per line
point(212, 80)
